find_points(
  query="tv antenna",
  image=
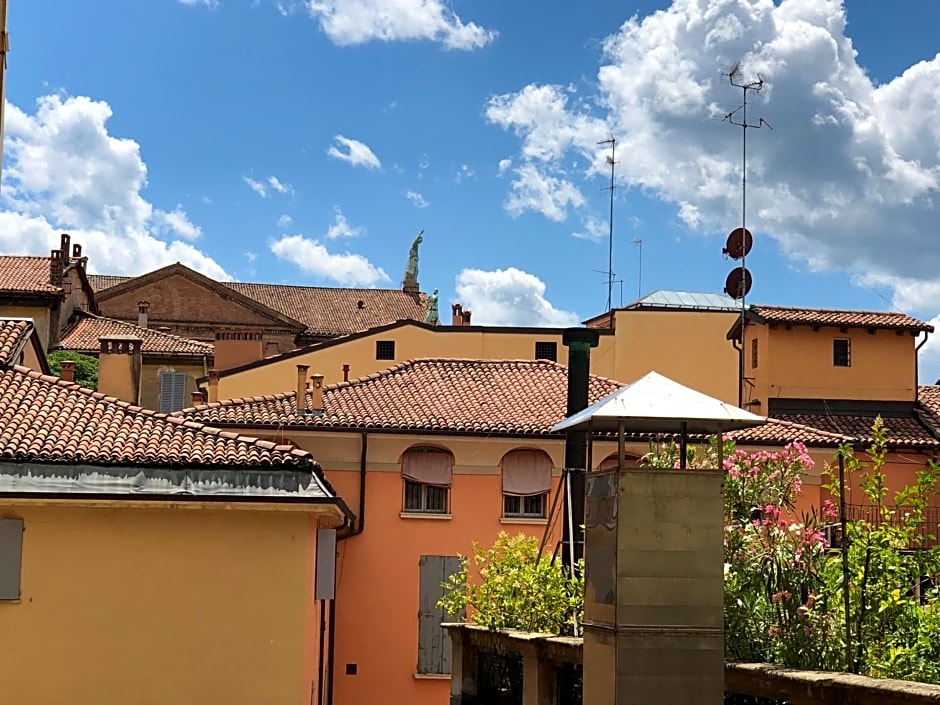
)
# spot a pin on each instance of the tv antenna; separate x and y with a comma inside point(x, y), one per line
point(639, 277)
point(739, 281)
point(612, 161)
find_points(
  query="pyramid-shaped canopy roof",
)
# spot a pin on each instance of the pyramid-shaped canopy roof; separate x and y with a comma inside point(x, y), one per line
point(657, 404)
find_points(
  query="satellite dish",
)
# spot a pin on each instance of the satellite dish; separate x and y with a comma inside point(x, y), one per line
point(738, 283)
point(739, 243)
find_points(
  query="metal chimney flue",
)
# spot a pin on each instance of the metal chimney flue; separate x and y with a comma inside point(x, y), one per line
point(579, 342)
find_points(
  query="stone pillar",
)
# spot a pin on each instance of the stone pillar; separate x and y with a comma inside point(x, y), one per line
point(654, 593)
point(463, 669)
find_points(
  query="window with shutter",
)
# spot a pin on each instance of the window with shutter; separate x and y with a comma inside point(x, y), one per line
point(11, 558)
point(434, 654)
point(172, 391)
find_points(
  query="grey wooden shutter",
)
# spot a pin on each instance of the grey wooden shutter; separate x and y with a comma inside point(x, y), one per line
point(11, 558)
point(434, 651)
point(172, 391)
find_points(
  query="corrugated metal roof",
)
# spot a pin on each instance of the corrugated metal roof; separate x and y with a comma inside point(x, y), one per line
point(686, 299)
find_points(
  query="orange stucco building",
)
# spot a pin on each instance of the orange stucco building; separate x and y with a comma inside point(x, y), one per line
point(143, 559)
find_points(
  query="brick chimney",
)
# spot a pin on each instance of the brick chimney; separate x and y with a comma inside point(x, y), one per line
point(197, 398)
point(76, 251)
point(238, 347)
point(143, 307)
point(466, 317)
point(64, 249)
point(55, 268)
point(119, 362)
point(67, 370)
point(317, 389)
point(457, 317)
point(301, 399)
point(213, 386)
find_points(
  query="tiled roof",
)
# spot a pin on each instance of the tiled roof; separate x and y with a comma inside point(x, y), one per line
point(13, 334)
point(325, 311)
point(328, 311)
point(82, 336)
point(100, 282)
point(26, 275)
point(513, 397)
point(903, 432)
point(847, 319)
point(780, 432)
point(929, 397)
point(44, 419)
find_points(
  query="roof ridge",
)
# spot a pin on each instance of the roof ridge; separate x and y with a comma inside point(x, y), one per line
point(234, 401)
point(152, 331)
point(830, 310)
point(136, 410)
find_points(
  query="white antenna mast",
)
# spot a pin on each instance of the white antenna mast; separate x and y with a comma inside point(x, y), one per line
point(612, 161)
point(639, 277)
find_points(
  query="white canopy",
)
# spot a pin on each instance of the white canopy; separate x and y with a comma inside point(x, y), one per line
point(656, 404)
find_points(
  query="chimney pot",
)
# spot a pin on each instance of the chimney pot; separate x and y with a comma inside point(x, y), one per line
point(67, 370)
point(457, 317)
point(301, 400)
point(197, 398)
point(317, 393)
point(466, 317)
point(65, 248)
point(76, 251)
point(213, 385)
point(142, 308)
point(345, 373)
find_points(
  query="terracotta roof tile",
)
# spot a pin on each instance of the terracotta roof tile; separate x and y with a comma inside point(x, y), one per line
point(82, 336)
point(780, 432)
point(44, 419)
point(13, 333)
point(903, 432)
point(514, 397)
point(100, 282)
point(929, 397)
point(26, 275)
point(328, 311)
point(325, 311)
point(848, 319)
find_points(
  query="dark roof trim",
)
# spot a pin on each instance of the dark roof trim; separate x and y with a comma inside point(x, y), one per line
point(752, 316)
point(31, 339)
point(507, 330)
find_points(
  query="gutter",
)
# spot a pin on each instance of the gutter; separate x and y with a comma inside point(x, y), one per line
point(354, 531)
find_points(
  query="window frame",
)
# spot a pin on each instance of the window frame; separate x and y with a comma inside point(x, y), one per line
point(389, 345)
point(838, 356)
point(522, 513)
point(549, 343)
point(754, 353)
point(424, 490)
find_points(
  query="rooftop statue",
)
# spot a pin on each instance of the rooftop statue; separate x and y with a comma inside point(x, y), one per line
point(433, 318)
point(409, 282)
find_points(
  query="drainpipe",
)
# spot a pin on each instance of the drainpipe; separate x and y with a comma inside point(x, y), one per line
point(354, 531)
point(917, 366)
point(740, 349)
point(579, 342)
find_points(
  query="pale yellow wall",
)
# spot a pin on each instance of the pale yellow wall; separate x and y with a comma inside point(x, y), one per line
point(150, 382)
point(758, 379)
point(410, 342)
point(39, 314)
point(799, 365)
point(116, 376)
point(193, 607)
point(687, 346)
point(690, 347)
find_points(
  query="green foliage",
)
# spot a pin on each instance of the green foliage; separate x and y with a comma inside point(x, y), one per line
point(509, 586)
point(86, 367)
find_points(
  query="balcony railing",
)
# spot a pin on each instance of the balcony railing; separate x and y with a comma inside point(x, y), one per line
point(929, 530)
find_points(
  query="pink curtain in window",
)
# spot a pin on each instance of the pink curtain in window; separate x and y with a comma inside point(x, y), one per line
point(526, 473)
point(428, 468)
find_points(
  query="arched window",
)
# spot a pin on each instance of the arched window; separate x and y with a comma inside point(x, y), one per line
point(427, 474)
point(527, 480)
point(610, 462)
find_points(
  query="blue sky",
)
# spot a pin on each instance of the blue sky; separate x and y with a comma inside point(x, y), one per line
point(309, 142)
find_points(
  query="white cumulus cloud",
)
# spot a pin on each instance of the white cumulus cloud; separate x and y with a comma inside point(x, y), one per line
point(341, 226)
point(356, 153)
point(64, 172)
point(509, 297)
point(348, 22)
point(848, 179)
point(312, 257)
point(416, 198)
